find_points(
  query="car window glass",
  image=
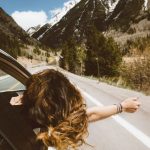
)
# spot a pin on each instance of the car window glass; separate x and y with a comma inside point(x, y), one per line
point(8, 83)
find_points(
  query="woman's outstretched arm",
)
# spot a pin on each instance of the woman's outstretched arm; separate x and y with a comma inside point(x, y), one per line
point(130, 105)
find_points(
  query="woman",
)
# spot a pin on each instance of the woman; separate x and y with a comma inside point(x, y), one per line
point(54, 105)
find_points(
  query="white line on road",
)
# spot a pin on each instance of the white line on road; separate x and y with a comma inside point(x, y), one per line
point(129, 127)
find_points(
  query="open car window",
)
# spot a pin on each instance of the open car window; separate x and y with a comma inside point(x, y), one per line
point(9, 65)
point(9, 83)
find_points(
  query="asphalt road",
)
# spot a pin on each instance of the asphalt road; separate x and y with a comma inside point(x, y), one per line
point(123, 132)
point(129, 131)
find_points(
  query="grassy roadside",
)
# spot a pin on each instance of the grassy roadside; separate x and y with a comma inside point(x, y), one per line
point(118, 82)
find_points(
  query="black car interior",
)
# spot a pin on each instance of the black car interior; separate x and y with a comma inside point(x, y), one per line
point(15, 133)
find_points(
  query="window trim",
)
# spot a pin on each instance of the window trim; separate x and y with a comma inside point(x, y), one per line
point(9, 65)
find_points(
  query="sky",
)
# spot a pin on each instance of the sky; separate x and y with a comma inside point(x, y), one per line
point(30, 13)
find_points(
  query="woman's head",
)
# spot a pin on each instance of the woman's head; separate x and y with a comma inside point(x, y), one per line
point(58, 106)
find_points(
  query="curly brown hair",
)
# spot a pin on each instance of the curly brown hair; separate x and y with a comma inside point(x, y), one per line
point(57, 105)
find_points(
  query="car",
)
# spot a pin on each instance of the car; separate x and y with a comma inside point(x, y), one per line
point(15, 132)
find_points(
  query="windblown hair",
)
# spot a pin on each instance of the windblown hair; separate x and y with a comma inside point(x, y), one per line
point(54, 103)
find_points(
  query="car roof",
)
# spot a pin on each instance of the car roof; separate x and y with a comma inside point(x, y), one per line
point(9, 65)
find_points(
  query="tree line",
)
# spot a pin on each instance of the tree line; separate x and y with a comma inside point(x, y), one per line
point(98, 56)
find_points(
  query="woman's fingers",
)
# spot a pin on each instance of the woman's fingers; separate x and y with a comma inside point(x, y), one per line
point(16, 100)
point(131, 110)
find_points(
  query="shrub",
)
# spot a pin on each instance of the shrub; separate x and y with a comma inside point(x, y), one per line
point(137, 74)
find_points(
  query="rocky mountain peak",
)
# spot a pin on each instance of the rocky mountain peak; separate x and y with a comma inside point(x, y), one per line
point(103, 14)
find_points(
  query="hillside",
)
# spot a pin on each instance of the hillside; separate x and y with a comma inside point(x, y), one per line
point(12, 36)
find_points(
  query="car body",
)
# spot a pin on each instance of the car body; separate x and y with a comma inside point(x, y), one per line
point(15, 133)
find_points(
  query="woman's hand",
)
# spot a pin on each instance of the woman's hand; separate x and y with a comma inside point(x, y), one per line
point(16, 100)
point(130, 105)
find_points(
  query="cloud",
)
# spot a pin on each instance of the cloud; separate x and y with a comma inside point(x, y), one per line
point(27, 19)
point(58, 13)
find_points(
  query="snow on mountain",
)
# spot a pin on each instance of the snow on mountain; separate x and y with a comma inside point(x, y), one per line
point(59, 13)
point(112, 4)
point(145, 4)
point(41, 36)
point(41, 31)
point(76, 23)
point(57, 16)
point(32, 30)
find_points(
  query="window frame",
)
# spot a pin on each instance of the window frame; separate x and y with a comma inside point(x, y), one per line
point(9, 65)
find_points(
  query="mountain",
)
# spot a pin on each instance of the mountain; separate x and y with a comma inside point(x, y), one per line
point(12, 36)
point(41, 31)
point(32, 30)
point(67, 6)
point(125, 13)
point(105, 15)
point(75, 23)
point(129, 21)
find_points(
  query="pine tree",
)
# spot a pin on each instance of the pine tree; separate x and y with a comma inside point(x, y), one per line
point(73, 56)
point(103, 55)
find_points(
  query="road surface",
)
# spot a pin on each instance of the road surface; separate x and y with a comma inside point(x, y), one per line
point(123, 132)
